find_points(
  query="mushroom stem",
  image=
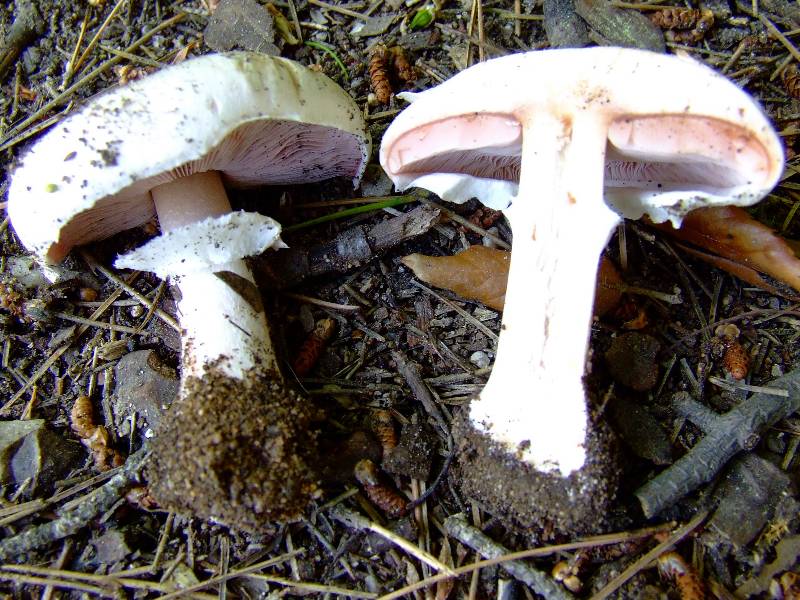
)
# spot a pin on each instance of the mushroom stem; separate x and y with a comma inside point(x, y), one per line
point(534, 403)
point(220, 312)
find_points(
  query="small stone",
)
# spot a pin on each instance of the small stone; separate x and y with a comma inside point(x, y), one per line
point(480, 359)
point(631, 360)
point(31, 451)
point(641, 431)
point(145, 387)
point(112, 547)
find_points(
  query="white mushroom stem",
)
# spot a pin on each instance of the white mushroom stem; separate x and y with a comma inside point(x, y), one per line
point(221, 327)
point(534, 403)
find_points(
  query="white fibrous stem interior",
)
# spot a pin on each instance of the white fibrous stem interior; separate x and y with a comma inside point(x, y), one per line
point(222, 326)
point(534, 403)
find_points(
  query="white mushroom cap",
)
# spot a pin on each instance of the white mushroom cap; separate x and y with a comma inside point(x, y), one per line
point(679, 134)
point(257, 119)
point(573, 139)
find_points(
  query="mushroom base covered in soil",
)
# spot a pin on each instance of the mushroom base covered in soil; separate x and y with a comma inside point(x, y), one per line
point(235, 450)
point(517, 492)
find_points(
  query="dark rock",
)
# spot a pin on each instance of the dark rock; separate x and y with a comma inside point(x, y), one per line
point(611, 26)
point(144, 387)
point(38, 454)
point(751, 487)
point(641, 431)
point(113, 546)
point(631, 360)
point(414, 453)
point(564, 28)
point(241, 24)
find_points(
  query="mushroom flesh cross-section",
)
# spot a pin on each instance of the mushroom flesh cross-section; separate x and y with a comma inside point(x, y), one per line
point(568, 142)
point(167, 146)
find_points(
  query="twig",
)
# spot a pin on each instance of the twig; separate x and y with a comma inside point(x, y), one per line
point(731, 432)
point(591, 542)
point(322, 303)
point(349, 249)
point(339, 9)
point(71, 521)
point(648, 558)
point(539, 581)
point(468, 224)
point(491, 334)
point(119, 282)
point(356, 521)
point(233, 574)
point(93, 42)
point(780, 37)
point(410, 372)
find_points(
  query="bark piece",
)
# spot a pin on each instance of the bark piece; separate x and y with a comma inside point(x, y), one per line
point(348, 250)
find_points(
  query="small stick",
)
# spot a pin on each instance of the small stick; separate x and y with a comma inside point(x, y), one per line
point(645, 560)
point(727, 435)
point(779, 36)
point(356, 521)
point(72, 521)
point(339, 9)
point(539, 581)
point(410, 372)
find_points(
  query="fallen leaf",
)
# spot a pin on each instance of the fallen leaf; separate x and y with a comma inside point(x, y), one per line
point(481, 273)
point(732, 234)
point(477, 273)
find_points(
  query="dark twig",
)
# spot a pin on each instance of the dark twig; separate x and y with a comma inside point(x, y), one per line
point(736, 430)
point(97, 502)
point(539, 581)
point(410, 372)
point(350, 249)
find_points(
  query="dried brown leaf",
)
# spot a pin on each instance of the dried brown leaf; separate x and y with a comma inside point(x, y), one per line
point(481, 273)
point(731, 233)
point(477, 273)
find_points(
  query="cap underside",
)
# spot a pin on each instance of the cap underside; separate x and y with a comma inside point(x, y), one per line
point(257, 153)
point(648, 156)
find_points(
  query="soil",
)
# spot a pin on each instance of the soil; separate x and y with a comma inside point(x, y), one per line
point(398, 347)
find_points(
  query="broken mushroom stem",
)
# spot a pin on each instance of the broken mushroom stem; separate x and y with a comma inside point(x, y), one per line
point(561, 225)
point(223, 325)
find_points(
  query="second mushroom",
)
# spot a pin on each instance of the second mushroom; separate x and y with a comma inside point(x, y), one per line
point(568, 142)
point(233, 446)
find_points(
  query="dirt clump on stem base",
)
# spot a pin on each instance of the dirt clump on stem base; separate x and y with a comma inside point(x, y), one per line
point(245, 460)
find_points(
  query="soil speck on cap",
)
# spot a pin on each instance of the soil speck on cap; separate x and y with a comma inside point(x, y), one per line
point(235, 451)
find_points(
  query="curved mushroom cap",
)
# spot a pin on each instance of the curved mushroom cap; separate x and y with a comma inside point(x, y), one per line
point(257, 119)
point(679, 134)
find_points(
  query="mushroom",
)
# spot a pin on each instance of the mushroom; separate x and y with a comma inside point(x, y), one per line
point(569, 141)
point(167, 145)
